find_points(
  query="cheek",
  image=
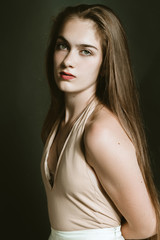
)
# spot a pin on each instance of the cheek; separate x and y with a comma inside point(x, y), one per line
point(91, 67)
point(55, 59)
point(90, 72)
point(55, 64)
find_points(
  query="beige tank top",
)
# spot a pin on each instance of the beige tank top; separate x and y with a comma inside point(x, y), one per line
point(77, 200)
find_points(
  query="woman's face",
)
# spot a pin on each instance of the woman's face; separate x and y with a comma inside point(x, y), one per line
point(77, 57)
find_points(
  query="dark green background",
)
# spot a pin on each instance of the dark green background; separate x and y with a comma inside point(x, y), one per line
point(24, 96)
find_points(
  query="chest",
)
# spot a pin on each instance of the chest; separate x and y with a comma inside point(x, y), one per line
point(71, 170)
point(57, 147)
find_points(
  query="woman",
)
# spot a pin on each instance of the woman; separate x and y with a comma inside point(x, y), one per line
point(95, 166)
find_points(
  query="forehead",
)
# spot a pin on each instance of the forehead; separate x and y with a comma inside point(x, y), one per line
point(80, 30)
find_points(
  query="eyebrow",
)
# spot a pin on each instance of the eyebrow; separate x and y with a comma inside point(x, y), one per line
point(79, 45)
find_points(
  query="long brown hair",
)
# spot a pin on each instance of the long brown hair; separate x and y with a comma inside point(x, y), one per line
point(115, 86)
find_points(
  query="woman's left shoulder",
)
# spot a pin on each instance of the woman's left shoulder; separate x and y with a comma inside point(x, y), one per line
point(105, 127)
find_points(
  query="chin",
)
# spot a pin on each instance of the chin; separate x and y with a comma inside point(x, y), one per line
point(64, 87)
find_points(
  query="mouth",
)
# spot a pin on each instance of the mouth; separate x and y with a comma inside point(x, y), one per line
point(66, 75)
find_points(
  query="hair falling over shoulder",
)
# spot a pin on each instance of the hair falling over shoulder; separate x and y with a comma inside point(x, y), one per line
point(115, 86)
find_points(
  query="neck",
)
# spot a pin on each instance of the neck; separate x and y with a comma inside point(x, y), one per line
point(74, 105)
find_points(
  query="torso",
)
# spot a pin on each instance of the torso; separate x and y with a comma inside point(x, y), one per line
point(59, 140)
point(75, 193)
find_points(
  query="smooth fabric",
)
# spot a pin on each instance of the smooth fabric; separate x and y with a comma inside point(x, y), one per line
point(77, 200)
point(91, 234)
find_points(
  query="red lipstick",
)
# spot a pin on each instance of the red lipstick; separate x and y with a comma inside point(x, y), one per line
point(66, 75)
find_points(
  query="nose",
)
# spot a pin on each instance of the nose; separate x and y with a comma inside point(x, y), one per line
point(69, 60)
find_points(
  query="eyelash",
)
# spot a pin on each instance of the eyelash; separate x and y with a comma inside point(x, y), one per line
point(87, 51)
point(59, 46)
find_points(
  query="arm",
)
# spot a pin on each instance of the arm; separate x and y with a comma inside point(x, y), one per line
point(112, 155)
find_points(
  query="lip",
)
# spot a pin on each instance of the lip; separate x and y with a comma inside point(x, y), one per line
point(66, 75)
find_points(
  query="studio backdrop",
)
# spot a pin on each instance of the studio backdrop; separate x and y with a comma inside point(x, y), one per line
point(25, 26)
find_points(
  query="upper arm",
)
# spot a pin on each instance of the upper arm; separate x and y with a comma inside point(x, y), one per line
point(112, 155)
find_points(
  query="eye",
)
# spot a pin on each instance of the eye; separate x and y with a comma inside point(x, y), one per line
point(86, 52)
point(61, 46)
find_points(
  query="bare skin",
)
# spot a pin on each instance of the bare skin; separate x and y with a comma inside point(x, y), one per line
point(112, 155)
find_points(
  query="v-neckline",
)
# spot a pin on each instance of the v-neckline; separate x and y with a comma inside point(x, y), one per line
point(51, 140)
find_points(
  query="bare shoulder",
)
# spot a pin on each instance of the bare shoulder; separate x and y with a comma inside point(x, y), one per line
point(104, 132)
